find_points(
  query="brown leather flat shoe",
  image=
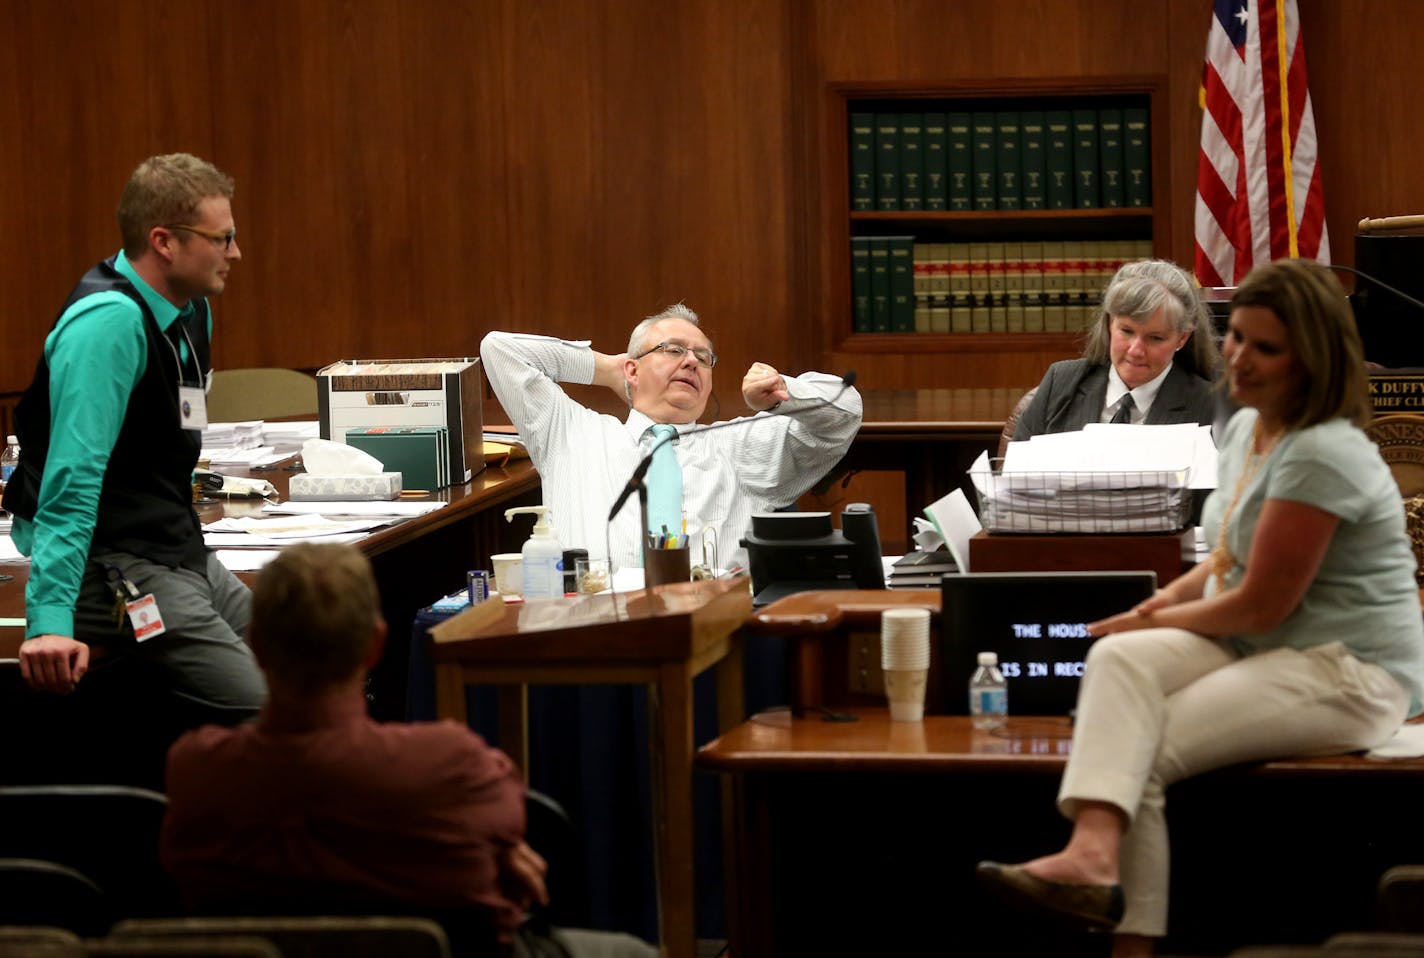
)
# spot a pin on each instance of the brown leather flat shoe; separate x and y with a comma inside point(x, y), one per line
point(1094, 907)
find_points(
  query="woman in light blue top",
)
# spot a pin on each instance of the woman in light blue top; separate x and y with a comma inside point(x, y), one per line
point(1300, 634)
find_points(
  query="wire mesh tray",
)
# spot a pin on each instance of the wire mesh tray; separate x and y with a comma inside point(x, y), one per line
point(1103, 502)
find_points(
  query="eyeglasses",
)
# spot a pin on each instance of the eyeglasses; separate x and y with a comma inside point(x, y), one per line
point(225, 237)
point(704, 357)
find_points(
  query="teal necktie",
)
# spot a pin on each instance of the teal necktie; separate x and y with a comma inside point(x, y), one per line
point(664, 484)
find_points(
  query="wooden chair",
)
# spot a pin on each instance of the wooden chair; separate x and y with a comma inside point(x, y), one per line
point(239, 395)
point(328, 936)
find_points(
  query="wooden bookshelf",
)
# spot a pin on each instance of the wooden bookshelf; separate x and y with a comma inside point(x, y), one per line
point(1142, 224)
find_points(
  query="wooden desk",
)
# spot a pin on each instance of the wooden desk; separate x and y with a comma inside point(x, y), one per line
point(415, 561)
point(860, 838)
point(662, 638)
point(1016, 552)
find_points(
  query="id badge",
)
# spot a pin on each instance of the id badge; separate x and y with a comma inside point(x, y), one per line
point(147, 621)
point(193, 407)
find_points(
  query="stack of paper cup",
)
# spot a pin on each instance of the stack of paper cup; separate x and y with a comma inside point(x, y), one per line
point(905, 661)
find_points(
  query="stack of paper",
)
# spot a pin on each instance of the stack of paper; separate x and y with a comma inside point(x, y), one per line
point(235, 443)
point(1105, 479)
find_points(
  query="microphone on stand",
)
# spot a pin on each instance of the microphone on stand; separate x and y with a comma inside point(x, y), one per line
point(635, 482)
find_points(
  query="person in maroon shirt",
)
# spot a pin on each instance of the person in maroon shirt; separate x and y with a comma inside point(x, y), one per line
point(317, 802)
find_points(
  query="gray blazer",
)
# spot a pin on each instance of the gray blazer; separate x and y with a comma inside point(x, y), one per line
point(1073, 393)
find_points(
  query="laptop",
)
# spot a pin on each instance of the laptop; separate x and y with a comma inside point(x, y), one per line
point(1036, 622)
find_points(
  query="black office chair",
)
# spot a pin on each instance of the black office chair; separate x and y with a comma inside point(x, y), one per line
point(326, 936)
point(35, 892)
point(551, 832)
point(108, 833)
point(1368, 944)
point(1399, 900)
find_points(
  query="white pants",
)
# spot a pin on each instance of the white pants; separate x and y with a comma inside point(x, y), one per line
point(1160, 705)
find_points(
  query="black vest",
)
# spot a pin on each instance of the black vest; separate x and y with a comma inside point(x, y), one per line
point(146, 504)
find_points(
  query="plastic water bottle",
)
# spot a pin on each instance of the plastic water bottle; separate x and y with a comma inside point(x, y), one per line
point(988, 693)
point(8, 462)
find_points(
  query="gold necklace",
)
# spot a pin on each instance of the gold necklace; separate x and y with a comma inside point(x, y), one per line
point(1222, 558)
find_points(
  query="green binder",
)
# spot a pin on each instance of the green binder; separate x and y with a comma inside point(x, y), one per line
point(902, 284)
point(984, 141)
point(936, 179)
point(887, 161)
point(862, 161)
point(419, 453)
point(860, 283)
point(912, 162)
point(1058, 159)
point(1031, 151)
point(961, 163)
point(1136, 158)
point(1110, 158)
point(879, 284)
point(1008, 161)
point(1086, 194)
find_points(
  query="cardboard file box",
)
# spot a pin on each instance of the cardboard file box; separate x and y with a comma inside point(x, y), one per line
point(363, 394)
point(419, 453)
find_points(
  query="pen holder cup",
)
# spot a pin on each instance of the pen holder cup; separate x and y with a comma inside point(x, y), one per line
point(665, 566)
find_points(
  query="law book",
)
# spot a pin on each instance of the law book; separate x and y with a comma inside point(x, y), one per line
point(961, 302)
point(936, 179)
point(1136, 158)
point(939, 287)
point(1086, 194)
point(860, 283)
point(979, 293)
point(1110, 158)
point(1032, 269)
point(1054, 307)
point(912, 162)
point(1058, 159)
point(862, 161)
point(879, 284)
point(887, 161)
point(984, 143)
point(1032, 144)
point(958, 137)
point(923, 272)
point(902, 284)
point(1008, 161)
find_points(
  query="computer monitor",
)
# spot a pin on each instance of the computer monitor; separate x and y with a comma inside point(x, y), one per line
point(1036, 622)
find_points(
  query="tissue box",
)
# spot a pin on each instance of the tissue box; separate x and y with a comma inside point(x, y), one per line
point(382, 486)
point(419, 453)
point(357, 394)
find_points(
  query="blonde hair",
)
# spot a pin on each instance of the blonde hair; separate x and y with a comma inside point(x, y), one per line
point(314, 613)
point(166, 191)
point(1312, 306)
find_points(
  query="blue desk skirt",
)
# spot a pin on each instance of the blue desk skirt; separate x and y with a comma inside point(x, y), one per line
point(588, 749)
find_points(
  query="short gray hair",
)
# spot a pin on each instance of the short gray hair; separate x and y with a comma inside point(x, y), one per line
point(675, 311)
point(1138, 290)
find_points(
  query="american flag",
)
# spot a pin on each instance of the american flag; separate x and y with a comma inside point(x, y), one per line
point(1259, 195)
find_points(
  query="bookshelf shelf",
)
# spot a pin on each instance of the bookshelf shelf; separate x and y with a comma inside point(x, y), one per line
point(1062, 254)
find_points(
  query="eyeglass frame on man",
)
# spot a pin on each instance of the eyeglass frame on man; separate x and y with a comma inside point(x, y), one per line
point(225, 237)
point(704, 357)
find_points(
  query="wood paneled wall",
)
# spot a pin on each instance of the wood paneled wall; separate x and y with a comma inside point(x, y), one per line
point(412, 173)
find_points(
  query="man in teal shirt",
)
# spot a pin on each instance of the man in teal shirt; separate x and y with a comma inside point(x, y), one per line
point(110, 432)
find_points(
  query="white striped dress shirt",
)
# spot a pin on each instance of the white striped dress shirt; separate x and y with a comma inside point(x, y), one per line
point(585, 458)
